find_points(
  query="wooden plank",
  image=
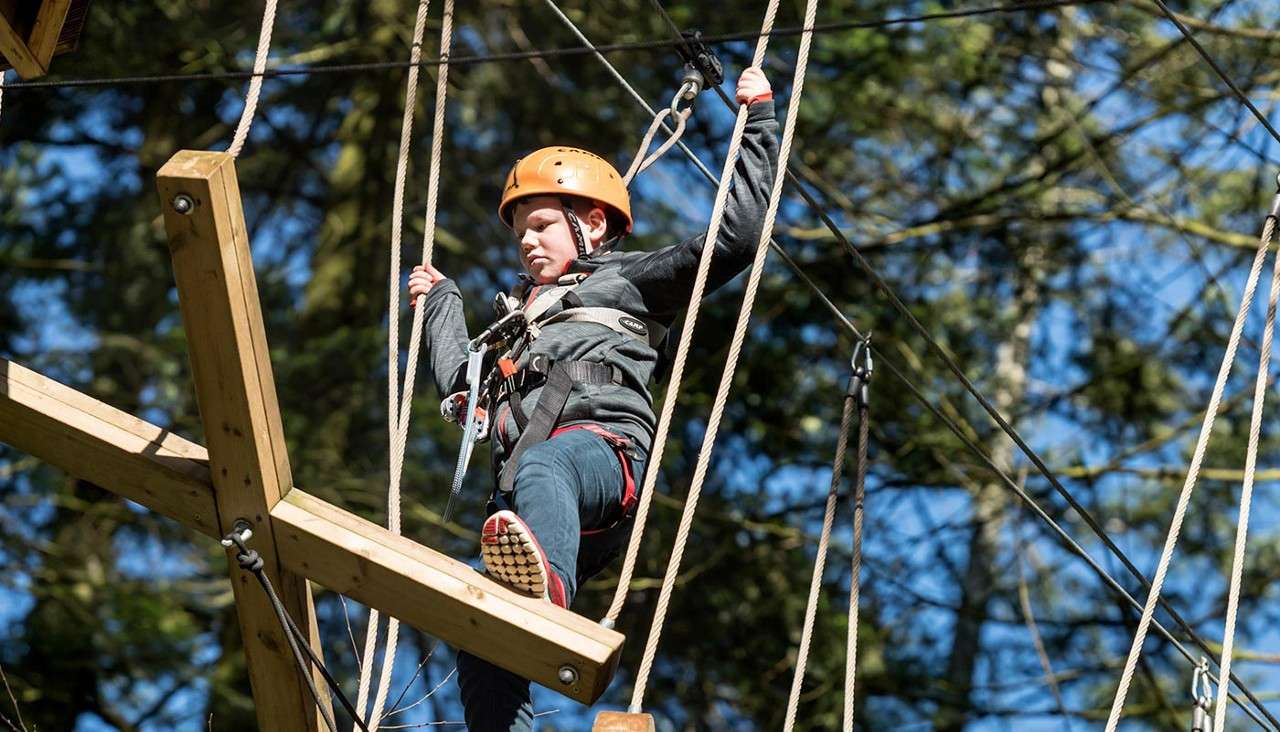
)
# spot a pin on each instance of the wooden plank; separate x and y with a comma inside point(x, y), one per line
point(235, 390)
point(47, 29)
point(445, 598)
point(94, 441)
point(13, 46)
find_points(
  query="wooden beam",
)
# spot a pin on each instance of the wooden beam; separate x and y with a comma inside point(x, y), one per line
point(218, 296)
point(107, 447)
point(445, 598)
point(423, 588)
point(45, 32)
point(623, 722)
point(13, 46)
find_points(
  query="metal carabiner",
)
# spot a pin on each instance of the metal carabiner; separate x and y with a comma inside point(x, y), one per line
point(860, 376)
point(1202, 698)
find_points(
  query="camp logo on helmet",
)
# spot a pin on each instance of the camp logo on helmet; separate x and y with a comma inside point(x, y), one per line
point(633, 325)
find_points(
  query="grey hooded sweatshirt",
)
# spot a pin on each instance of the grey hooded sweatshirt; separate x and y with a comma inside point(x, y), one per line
point(654, 285)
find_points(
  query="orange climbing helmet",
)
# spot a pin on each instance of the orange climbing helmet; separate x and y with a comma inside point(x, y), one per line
point(568, 171)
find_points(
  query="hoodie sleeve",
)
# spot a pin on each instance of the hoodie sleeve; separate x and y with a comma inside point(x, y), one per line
point(446, 337)
point(665, 277)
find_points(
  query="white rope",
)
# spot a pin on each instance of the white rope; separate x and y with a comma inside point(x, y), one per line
point(1193, 472)
point(255, 84)
point(855, 577)
point(1246, 495)
point(640, 162)
point(740, 329)
point(398, 411)
point(2, 73)
point(393, 315)
point(819, 564)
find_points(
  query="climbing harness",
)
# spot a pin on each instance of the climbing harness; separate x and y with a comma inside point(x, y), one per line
point(1193, 472)
point(1201, 698)
point(255, 82)
point(250, 561)
point(515, 370)
point(855, 400)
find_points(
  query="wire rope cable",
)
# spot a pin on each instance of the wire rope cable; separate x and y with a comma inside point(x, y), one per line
point(1193, 473)
point(739, 335)
point(1246, 490)
point(459, 61)
point(1217, 69)
point(255, 82)
point(918, 394)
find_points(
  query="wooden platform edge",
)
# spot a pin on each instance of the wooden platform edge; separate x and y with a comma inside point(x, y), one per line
point(446, 598)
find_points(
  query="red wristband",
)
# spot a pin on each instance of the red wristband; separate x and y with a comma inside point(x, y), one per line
point(766, 97)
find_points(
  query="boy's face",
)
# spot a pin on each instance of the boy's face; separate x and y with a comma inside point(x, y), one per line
point(546, 243)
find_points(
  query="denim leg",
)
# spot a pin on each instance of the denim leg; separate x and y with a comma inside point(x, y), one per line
point(571, 482)
point(494, 700)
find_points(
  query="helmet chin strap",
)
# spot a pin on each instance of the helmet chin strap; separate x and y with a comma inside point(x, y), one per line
point(575, 226)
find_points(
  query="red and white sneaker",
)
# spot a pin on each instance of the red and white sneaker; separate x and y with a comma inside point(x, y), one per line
point(512, 556)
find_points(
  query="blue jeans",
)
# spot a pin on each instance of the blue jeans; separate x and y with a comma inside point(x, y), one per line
point(569, 484)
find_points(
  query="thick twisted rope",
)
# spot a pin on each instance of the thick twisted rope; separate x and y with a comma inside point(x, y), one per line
point(2, 73)
point(1246, 493)
point(398, 414)
point(739, 334)
point(393, 318)
point(255, 83)
point(855, 582)
point(1193, 472)
point(819, 564)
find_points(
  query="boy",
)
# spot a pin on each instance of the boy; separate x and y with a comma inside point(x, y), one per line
point(572, 416)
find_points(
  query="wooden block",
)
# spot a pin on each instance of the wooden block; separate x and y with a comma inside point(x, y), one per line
point(218, 295)
point(13, 46)
point(623, 722)
point(47, 29)
point(445, 598)
point(107, 447)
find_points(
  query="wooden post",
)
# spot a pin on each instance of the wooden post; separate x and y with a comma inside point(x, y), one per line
point(218, 295)
point(13, 44)
point(43, 40)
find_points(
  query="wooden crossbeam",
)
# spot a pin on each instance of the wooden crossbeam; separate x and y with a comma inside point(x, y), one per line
point(99, 443)
point(235, 390)
point(14, 45)
point(438, 595)
point(47, 29)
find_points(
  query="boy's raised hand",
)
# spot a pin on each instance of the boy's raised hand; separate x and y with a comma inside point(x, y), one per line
point(421, 280)
point(753, 86)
